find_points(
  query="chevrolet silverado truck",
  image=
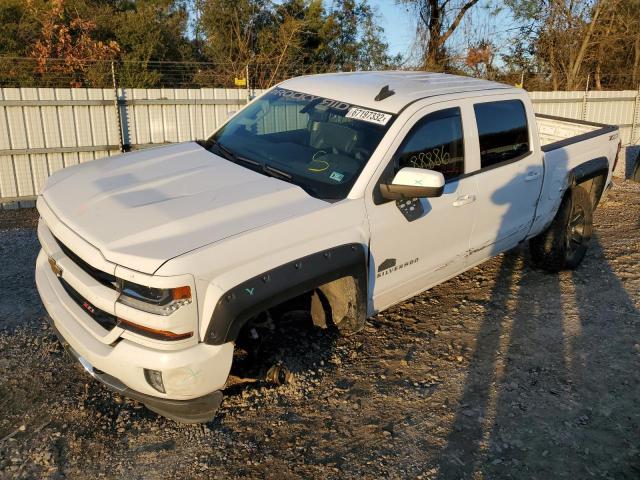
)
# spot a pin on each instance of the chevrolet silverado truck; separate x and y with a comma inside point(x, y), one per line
point(355, 191)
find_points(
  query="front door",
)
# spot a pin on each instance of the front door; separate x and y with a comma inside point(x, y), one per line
point(417, 243)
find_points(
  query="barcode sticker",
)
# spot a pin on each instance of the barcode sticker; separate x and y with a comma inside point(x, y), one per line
point(368, 115)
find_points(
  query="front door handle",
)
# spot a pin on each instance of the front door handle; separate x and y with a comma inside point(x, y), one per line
point(464, 200)
point(531, 176)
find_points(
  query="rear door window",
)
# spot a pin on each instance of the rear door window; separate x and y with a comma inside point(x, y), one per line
point(503, 131)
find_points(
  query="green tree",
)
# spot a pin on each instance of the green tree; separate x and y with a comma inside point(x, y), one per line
point(142, 33)
point(150, 33)
point(17, 29)
point(185, 43)
point(18, 33)
point(354, 39)
point(374, 52)
point(290, 38)
point(230, 30)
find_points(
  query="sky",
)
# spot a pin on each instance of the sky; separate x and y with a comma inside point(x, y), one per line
point(399, 25)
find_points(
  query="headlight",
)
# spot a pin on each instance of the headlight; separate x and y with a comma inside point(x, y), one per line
point(161, 301)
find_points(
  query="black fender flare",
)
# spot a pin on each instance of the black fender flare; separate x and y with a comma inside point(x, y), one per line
point(589, 170)
point(285, 282)
point(596, 167)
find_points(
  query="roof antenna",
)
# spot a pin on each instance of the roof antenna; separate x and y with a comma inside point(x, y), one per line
point(384, 93)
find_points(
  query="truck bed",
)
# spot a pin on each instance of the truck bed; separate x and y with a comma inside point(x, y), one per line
point(568, 145)
point(557, 132)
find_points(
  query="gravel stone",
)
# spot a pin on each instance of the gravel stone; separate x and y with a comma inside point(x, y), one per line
point(503, 372)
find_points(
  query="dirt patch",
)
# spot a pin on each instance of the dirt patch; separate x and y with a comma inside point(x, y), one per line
point(503, 372)
point(19, 300)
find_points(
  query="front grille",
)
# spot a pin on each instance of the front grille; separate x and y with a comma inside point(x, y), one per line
point(104, 319)
point(103, 277)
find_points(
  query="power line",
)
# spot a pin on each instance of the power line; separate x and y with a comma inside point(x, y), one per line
point(55, 72)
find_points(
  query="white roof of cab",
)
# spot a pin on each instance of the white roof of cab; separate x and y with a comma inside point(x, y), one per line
point(361, 88)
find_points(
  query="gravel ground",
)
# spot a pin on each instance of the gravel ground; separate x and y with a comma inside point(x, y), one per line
point(503, 372)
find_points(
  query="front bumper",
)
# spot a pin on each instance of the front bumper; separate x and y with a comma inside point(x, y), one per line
point(192, 376)
point(196, 410)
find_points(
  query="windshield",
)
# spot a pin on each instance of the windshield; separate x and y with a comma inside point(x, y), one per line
point(320, 144)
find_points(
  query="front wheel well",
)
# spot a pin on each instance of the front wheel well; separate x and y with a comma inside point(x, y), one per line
point(321, 273)
point(339, 303)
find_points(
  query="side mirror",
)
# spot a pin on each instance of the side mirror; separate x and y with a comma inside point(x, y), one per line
point(413, 183)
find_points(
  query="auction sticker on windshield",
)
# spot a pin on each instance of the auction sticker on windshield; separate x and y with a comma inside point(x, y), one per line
point(368, 115)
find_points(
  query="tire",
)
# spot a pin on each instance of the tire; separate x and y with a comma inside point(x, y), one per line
point(635, 176)
point(564, 243)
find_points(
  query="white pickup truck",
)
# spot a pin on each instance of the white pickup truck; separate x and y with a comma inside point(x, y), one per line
point(355, 191)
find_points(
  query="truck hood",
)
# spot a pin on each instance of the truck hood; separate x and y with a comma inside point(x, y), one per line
point(144, 208)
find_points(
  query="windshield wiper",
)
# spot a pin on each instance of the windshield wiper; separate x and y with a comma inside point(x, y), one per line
point(260, 167)
point(226, 153)
point(231, 155)
point(274, 172)
point(253, 163)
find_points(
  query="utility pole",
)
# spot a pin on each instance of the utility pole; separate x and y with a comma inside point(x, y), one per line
point(635, 125)
point(116, 104)
point(585, 98)
point(246, 76)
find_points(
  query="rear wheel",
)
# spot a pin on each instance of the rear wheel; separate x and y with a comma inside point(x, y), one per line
point(636, 170)
point(564, 243)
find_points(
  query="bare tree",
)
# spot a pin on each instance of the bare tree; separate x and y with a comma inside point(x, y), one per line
point(575, 61)
point(438, 20)
point(566, 36)
point(564, 39)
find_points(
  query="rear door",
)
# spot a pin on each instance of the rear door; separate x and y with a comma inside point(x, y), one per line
point(417, 243)
point(509, 177)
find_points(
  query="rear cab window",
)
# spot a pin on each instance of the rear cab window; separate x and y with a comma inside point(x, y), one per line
point(503, 132)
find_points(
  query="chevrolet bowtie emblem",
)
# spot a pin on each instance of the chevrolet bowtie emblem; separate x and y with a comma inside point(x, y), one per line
point(55, 268)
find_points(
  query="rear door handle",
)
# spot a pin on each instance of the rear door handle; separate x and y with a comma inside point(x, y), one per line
point(531, 176)
point(464, 200)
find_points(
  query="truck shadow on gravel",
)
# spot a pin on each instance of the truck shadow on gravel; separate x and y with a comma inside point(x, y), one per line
point(549, 387)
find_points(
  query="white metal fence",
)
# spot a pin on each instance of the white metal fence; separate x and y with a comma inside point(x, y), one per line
point(45, 129)
point(620, 108)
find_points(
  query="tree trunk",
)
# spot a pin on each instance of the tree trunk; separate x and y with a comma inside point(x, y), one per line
point(601, 52)
point(434, 57)
point(434, 26)
point(576, 65)
point(553, 68)
point(636, 62)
